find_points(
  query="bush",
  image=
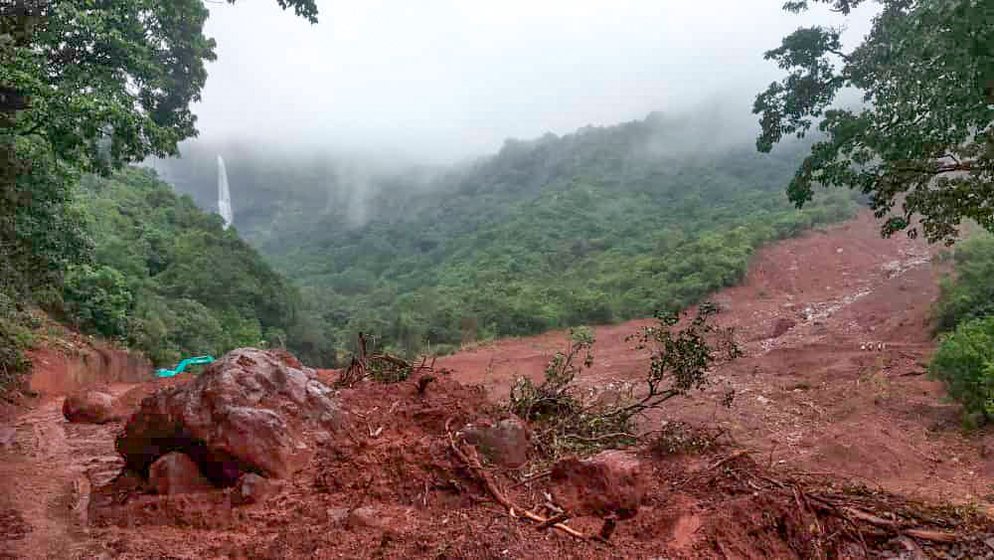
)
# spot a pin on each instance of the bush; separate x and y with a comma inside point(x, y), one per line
point(567, 421)
point(965, 363)
point(970, 293)
point(14, 338)
point(97, 298)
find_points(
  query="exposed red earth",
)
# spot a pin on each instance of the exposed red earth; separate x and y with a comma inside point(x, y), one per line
point(836, 333)
point(831, 391)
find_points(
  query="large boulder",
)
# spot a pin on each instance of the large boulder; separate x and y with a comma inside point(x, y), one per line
point(176, 473)
point(89, 407)
point(251, 411)
point(609, 484)
point(505, 443)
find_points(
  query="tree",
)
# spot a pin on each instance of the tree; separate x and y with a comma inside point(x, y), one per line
point(98, 299)
point(923, 136)
point(107, 82)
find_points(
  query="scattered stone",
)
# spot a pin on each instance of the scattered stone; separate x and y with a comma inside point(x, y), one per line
point(506, 444)
point(177, 473)
point(366, 516)
point(253, 489)
point(251, 411)
point(610, 483)
point(89, 407)
point(781, 326)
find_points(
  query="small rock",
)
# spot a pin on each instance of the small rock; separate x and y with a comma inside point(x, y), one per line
point(89, 407)
point(338, 516)
point(253, 489)
point(506, 444)
point(8, 435)
point(366, 516)
point(609, 483)
point(781, 326)
point(763, 400)
point(177, 473)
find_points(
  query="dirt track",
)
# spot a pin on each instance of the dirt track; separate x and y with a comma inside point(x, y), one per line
point(812, 397)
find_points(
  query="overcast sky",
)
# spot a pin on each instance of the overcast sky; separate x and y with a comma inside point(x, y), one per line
point(438, 80)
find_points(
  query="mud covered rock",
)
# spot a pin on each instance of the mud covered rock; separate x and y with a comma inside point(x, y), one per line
point(253, 489)
point(89, 407)
point(505, 443)
point(610, 483)
point(251, 411)
point(781, 326)
point(176, 473)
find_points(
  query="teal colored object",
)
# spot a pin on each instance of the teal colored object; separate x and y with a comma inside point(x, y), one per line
point(194, 361)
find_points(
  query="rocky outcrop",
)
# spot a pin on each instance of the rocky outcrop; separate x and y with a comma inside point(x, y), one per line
point(89, 407)
point(609, 484)
point(252, 411)
point(176, 473)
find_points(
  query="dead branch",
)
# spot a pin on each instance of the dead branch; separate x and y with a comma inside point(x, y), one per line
point(381, 366)
point(470, 459)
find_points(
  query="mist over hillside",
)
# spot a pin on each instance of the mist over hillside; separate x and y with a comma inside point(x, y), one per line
point(600, 225)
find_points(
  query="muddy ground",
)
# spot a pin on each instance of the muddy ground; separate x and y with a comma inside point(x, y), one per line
point(831, 392)
point(835, 326)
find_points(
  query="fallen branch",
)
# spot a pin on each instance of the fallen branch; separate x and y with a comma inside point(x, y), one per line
point(472, 462)
point(934, 536)
point(532, 478)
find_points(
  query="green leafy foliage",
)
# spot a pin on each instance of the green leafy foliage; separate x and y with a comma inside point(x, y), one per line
point(109, 82)
point(965, 362)
point(98, 299)
point(170, 281)
point(102, 84)
point(923, 136)
point(969, 293)
point(964, 312)
point(555, 396)
point(15, 336)
point(565, 420)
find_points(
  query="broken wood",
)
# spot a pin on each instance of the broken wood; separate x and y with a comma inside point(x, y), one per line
point(469, 458)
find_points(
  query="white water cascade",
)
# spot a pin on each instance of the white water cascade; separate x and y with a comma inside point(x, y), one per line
point(223, 194)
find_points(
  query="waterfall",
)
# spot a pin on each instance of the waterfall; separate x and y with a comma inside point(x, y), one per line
point(223, 194)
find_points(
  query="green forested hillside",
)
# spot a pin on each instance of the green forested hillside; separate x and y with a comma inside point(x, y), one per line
point(597, 226)
point(165, 277)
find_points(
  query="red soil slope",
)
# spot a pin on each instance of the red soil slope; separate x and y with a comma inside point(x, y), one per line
point(835, 328)
point(809, 397)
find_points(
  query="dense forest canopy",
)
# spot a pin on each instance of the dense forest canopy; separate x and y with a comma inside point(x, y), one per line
point(167, 279)
point(605, 224)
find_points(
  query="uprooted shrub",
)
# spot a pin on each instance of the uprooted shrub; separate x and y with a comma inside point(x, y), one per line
point(682, 352)
point(380, 367)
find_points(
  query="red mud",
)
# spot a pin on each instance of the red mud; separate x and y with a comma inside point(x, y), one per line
point(811, 398)
point(389, 486)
